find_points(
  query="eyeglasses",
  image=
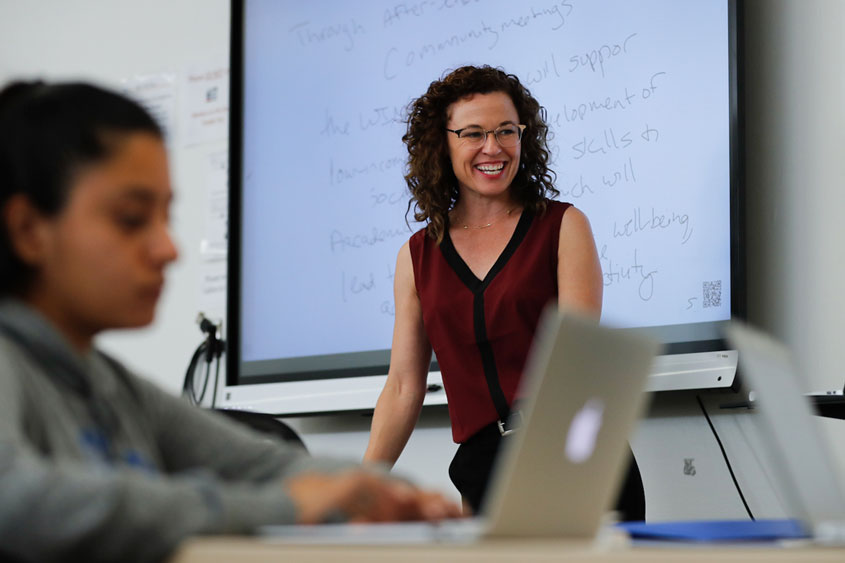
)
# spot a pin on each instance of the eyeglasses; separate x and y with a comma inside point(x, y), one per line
point(475, 136)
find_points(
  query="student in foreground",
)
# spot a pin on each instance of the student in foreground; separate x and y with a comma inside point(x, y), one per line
point(97, 464)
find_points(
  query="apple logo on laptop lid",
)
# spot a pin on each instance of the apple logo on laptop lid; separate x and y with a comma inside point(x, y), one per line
point(583, 431)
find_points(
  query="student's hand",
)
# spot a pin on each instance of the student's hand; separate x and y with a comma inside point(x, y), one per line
point(360, 496)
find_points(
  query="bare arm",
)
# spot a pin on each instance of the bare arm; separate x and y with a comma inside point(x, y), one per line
point(579, 274)
point(399, 404)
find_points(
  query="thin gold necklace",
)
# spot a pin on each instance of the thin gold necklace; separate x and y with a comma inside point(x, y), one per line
point(490, 224)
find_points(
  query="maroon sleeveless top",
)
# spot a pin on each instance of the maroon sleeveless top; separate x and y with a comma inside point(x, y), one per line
point(482, 329)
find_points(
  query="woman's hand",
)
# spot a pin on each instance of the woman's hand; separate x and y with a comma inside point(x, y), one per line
point(361, 496)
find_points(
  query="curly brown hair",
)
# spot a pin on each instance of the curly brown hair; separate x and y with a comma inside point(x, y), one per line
point(430, 177)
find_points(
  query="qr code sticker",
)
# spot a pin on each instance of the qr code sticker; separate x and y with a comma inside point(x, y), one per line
point(712, 293)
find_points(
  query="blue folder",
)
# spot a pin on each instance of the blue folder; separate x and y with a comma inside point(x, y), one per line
point(717, 530)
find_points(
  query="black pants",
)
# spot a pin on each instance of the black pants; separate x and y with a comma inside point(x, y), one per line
point(470, 472)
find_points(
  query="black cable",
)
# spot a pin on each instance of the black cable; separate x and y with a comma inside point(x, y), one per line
point(205, 382)
point(216, 375)
point(189, 388)
point(188, 384)
point(211, 349)
point(725, 456)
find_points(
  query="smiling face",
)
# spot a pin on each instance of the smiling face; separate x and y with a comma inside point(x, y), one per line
point(487, 170)
point(99, 263)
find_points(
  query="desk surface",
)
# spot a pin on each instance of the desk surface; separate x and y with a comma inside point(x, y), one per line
point(250, 550)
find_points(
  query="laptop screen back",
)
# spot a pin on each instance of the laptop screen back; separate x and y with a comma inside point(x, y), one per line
point(584, 390)
point(805, 469)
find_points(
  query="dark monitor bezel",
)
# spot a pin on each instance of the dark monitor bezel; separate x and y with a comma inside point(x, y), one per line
point(737, 212)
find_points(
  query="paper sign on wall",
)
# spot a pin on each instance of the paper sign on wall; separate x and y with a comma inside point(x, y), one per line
point(206, 104)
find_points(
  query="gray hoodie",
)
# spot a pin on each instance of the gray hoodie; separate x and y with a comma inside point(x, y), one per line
point(97, 464)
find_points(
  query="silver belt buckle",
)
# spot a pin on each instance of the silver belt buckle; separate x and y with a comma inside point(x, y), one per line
point(512, 425)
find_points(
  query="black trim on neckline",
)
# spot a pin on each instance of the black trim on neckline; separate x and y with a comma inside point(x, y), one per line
point(479, 321)
point(463, 271)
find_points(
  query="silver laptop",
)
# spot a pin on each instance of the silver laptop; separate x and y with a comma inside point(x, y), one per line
point(583, 391)
point(805, 471)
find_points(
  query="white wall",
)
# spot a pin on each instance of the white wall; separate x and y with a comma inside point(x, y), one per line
point(795, 124)
point(795, 144)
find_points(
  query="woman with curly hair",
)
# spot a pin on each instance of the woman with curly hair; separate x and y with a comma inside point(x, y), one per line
point(471, 285)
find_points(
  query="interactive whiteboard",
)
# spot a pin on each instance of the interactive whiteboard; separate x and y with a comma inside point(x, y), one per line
point(639, 100)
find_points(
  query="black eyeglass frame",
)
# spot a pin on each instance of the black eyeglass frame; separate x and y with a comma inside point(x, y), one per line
point(520, 130)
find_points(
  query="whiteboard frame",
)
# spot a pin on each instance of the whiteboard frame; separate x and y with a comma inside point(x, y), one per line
point(686, 365)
